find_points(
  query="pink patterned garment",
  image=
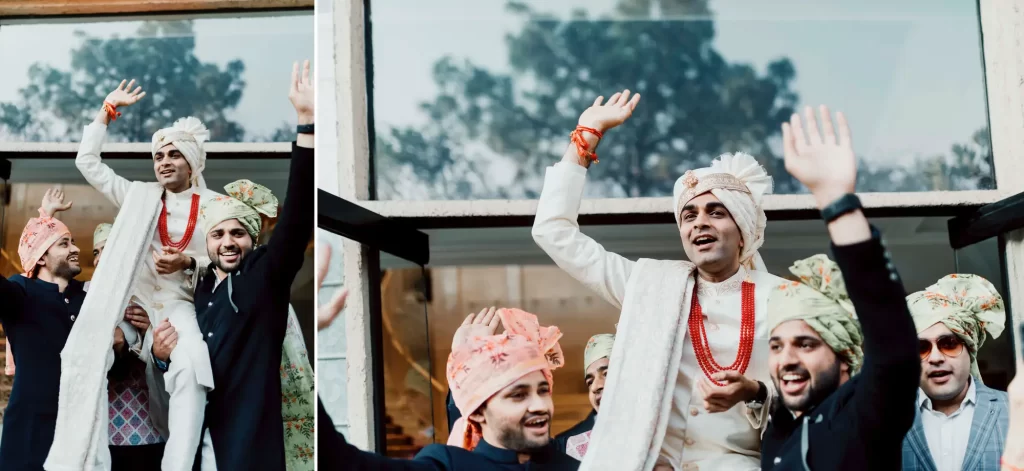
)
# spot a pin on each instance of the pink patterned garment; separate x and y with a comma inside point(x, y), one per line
point(481, 364)
point(576, 445)
point(130, 423)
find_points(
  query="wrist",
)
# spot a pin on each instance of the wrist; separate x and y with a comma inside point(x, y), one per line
point(752, 390)
point(306, 118)
point(823, 198)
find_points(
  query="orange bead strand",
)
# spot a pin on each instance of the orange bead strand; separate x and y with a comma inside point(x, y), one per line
point(699, 336)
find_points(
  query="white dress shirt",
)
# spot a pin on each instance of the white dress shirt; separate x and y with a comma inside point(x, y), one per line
point(947, 436)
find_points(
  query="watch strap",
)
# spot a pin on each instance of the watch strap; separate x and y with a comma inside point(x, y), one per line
point(304, 129)
point(845, 204)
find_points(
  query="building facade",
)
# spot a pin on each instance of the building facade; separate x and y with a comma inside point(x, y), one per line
point(226, 62)
point(447, 114)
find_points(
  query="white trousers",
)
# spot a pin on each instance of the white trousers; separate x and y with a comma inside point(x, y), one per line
point(209, 461)
point(186, 408)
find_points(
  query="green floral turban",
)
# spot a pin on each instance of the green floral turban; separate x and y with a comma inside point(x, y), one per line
point(245, 202)
point(967, 304)
point(101, 234)
point(598, 347)
point(820, 300)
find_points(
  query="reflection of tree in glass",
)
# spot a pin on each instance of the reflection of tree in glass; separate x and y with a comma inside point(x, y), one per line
point(160, 56)
point(695, 106)
point(490, 135)
point(969, 167)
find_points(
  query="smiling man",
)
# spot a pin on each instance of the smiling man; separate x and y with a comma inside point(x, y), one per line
point(668, 401)
point(153, 247)
point(40, 307)
point(835, 417)
point(576, 440)
point(242, 302)
point(960, 423)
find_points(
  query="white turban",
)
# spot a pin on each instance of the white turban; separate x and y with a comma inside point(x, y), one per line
point(187, 135)
point(740, 183)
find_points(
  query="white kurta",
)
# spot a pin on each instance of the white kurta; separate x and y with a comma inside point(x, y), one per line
point(696, 438)
point(693, 437)
point(164, 297)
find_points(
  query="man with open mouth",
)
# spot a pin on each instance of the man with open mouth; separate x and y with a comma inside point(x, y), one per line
point(835, 417)
point(576, 440)
point(501, 384)
point(242, 302)
point(680, 321)
point(151, 259)
point(960, 422)
point(39, 308)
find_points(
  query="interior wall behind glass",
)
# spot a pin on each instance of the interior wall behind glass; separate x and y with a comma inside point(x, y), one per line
point(487, 98)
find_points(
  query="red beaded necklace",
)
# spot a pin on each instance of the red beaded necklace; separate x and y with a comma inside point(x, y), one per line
point(699, 336)
point(193, 216)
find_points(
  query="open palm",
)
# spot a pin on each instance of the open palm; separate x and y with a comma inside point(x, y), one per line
point(123, 95)
point(821, 160)
point(608, 115)
point(53, 202)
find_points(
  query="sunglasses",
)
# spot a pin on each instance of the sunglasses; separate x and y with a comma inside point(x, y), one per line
point(949, 345)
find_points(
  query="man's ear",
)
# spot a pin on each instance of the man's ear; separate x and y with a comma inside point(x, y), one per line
point(478, 416)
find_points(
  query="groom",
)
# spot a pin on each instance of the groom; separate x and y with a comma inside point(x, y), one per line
point(151, 257)
point(668, 402)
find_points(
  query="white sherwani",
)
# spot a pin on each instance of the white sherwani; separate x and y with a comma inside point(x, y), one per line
point(165, 297)
point(692, 438)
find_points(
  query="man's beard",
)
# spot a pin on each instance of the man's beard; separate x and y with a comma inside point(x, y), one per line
point(66, 271)
point(819, 388)
point(228, 267)
point(514, 438)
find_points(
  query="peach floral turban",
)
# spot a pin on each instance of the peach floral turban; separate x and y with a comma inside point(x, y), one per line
point(39, 234)
point(481, 365)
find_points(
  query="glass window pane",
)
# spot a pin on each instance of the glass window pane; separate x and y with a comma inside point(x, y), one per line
point(229, 71)
point(486, 102)
point(475, 268)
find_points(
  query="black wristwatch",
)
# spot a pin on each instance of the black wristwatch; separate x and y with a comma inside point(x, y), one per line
point(762, 396)
point(304, 128)
point(847, 204)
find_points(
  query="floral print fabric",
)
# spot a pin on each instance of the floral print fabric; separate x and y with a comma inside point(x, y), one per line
point(296, 398)
point(245, 202)
point(967, 304)
point(820, 299)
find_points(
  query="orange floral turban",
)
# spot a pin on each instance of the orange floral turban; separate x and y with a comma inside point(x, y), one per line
point(39, 234)
point(481, 365)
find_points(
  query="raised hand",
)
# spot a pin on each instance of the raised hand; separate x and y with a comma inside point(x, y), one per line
point(123, 95)
point(301, 94)
point(328, 312)
point(608, 115)
point(822, 161)
point(53, 202)
point(481, 324)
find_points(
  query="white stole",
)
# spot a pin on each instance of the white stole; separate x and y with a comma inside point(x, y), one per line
point(649, 342)
point(80, 439)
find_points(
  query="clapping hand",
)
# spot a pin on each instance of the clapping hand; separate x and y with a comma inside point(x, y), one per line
point(328, 312)
point(53, 202)
point(124, 95)
point(608, 115)
point(822, 161)
point(171, 261)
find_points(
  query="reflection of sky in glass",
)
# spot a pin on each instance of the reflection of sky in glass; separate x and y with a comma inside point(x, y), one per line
point(267, 45)
point(909, 75)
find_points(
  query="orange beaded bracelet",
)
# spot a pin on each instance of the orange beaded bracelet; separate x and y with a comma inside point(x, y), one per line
point(582, 148)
